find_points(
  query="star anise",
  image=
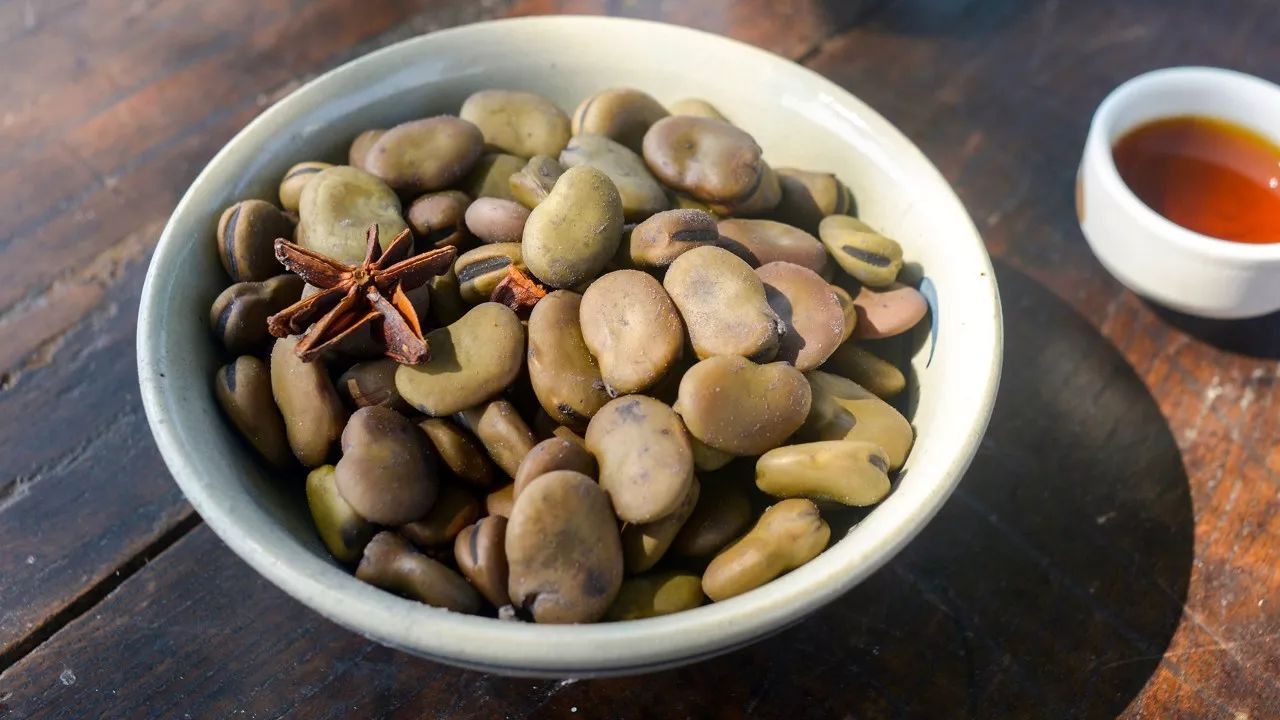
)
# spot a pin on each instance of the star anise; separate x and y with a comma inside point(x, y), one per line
point(518, 291)
point(353, 296)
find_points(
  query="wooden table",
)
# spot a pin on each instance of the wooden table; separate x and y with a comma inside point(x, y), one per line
point(1113, 551)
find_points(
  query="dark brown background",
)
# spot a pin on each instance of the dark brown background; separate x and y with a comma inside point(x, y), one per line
point(1114, 550)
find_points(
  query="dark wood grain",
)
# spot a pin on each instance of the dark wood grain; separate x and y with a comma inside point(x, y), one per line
point(1114, 551)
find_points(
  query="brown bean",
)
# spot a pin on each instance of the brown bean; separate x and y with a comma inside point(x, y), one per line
point(632, 328)
point(550, 455)
point(453, 510)
point(562, 370)
point(723, 304)
point(844, 410)
point(387, 471)
point(863, 367)
point(887, 312)
point(437, 219)
point(295, 179)
point(644, 544)
point(460, 451)
point(481, 553)
point(391, 563)
point(811, 313)
point(427, 155)
point(343, 532)
point(761, 242)
point(787, 536)
point(361, 145)
point(471, 361)
point(659, 240)
point(494, 220)
point(622, 114)
point(503, 432)
point(243, 389)
point(721, 515)
point(312, 411)
point(533, 183)
point(739, 407)
point(646, 464)
point(239, 314)
point(713, 161)
point(247, 233)
point(372, 383)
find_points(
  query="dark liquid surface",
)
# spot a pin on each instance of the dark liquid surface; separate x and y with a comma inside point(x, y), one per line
point(1211, 176)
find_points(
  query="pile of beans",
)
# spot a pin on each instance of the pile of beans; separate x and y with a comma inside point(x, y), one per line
point(665, 420)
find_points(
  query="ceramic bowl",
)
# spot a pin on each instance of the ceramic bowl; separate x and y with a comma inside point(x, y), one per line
point(800, 119)
point(1151, 255)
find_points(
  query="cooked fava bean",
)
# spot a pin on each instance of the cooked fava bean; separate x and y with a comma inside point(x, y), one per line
point(533, 183)
point(697, 107)
point(505, 435)
point(573, 232)
point(848, 309)
point(560, 510)
point(868, 256)
point(570, 435)
point(247, 233)
point(659, 240)
point(471, 361)
point(517, 122)
point(814, 321)
point(453, 510)
point(480, 270)
point(481, 553)
point(621, 114)
point(681, 201)
point(295, 179)
point(460, 451)
point(391, 563)
point(888, 311)
point(243, 389)
point(563, 372)
point(739, 407)
point(646, 464)
point(843, 471)
point(723, 304)
point(641, 195)
point(714, 162)
point(447, 306)
point(657, 594)
point(861, 366)
point(360, 147)
point(494, 220)
point(761, 242)
point(312, 411)
point(491, 176)
point(807, 197)
point(437, 219)
point(427, 155)
point(644, 544)
point(340, 528)
point(336, 209)
point(499, 501)
point(387, 471)
point(239, 314)
point(721, 515)
point(632, 329)
point(707, 458)
point(555, 453)
point(844, 410)
point(787, 536)
point(372, 383)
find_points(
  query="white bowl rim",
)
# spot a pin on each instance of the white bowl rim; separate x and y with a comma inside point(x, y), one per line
point(1099, 146)
point(573, 650)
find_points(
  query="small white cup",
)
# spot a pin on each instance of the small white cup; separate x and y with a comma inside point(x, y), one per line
point(1155, 257)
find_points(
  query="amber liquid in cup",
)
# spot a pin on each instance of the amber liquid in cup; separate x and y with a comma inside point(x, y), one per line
point(1211, 176)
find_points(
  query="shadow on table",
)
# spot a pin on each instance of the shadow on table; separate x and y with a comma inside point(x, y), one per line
point(1049, 585)
point(1256, 337)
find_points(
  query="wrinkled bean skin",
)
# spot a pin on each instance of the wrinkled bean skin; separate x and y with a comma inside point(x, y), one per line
point(453, 510)
point(471, 361)
point(518, 122)
point(869, 257)
point(341, 529)
point(632, 329)
point(843, 471)
point(481, 553)
point(810, 310)
point(844, 410)
point(721, 515)
point(391, 563)
point(437, 219)
point(742, 408)
point(553, 454)
point(533, 183)
point(427, 155)
point(643, 545)
point(888, 311)
point(505, 435)
point(620, 114)
point(361, 145)
point(697, 107)
point(312, 411)
point(447, 306)
point(494, 220)
point(480, 270)
point(461, 452)
point(247, 233)
point(861, 366)
point(336, 209)
point(239, 314)
point(848, 309)
point(563, 372)
point(787, 536)
point(658, 241)
point(560, 510)
point(641, 194)
point(243, 389)
point(573, 232)
point(499, 502)
point(295, 179)
point(491, 176)
point(714, 162)
point(655, 595)
point(761, 242)
point(387, 471)
point(723, 304)
point(372, 383)
point(646, 463)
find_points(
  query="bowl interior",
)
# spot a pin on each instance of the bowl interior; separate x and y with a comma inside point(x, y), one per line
point(799, 119)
